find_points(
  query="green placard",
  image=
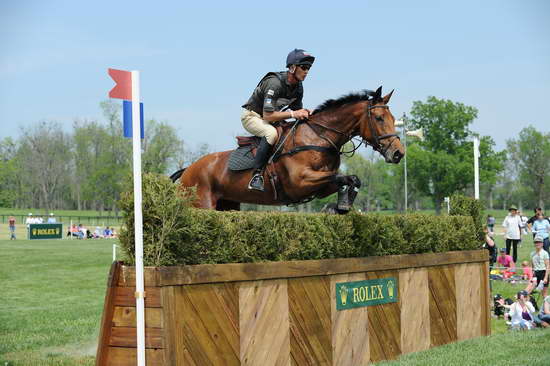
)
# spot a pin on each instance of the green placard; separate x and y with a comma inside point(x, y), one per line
point(45, 231)
point(366, 293)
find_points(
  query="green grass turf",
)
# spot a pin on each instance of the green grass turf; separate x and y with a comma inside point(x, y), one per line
point(52, 299)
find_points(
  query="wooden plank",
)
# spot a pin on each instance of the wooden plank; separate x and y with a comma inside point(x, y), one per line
point(127, 277)
point(468, 308)
point(119, 356)
point(415, 309)
point(107, 317)
point(350, 328)
point(310, 321)
point(126, 317)
point(208, 273)
point(172, 336)
point(384, 325)
point(486, 310)
point(127, 337)
point(264, 323)
point(205, 325)
point(441, 282)
point(125, 297)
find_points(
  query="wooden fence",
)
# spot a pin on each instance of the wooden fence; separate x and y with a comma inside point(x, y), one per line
point(285, 313)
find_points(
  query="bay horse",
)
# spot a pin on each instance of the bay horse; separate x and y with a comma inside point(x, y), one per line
point(307, 157)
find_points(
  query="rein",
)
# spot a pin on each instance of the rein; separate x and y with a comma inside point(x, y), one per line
point(376, 145)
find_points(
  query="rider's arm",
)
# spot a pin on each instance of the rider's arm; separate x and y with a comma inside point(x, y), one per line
point(277, 116)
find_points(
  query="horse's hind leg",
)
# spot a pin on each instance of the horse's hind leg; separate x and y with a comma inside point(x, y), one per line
point(225, 205)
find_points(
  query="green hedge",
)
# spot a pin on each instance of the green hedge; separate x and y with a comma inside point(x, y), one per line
point(467, 206)
point(175, 234)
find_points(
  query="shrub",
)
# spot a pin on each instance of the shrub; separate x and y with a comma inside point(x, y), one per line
point(174, 233)
point(467, 206)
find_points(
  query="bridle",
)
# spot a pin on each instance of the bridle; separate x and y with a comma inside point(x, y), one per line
point(376, 145)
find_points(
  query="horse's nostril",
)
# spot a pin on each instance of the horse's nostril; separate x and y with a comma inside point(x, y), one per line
point(397, 155)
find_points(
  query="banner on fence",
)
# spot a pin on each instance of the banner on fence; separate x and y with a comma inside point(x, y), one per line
point(45, 231)
point(366, 293)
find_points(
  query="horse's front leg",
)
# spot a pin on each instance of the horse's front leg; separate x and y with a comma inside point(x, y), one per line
point(324, 183)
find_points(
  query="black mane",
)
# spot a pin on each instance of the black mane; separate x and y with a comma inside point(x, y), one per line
point(346, 99)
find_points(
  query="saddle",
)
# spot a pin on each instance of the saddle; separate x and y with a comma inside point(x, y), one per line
point(243, 157)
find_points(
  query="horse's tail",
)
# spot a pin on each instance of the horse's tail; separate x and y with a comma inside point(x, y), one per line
point(174, 177)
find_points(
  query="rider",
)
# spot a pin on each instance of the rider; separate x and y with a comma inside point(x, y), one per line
point(275, 91)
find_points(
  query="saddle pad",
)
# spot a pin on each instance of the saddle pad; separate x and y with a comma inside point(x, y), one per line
point(241, 159)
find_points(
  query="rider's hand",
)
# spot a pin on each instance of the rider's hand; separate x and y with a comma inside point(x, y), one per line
point(301, 114)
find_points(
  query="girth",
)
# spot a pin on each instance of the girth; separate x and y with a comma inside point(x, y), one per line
point(298, 149)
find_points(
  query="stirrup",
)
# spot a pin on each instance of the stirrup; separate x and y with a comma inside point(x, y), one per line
point(257, 182)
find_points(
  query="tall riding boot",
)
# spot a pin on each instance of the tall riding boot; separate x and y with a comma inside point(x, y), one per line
point(262, 154)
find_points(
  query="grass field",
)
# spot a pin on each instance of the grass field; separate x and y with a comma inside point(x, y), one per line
point(52, 298)
point(53, 292)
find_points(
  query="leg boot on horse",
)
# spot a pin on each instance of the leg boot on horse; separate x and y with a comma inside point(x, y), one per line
point(348, 192)
point(262, 154)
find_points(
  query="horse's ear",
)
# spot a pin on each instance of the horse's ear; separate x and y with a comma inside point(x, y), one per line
point(386, 99)
point(378, 93)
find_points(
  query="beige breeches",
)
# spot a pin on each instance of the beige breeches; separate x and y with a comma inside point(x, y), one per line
point(253, 123)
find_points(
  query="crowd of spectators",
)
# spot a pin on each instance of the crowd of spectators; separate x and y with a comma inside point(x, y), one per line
point(82, 232)
point(521, 312)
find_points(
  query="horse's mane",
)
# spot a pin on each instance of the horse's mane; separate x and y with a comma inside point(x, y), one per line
point(346, 99)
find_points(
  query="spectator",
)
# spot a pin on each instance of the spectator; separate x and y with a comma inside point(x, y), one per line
point(107, 233)
point(97, 233)
point(541, 228)
point(541, 267)
point(11, 226)
point(491, 224)
point(490, 246)
point(523, 225)
point(512, 224)
point(522, 312)
point(534, 217)
point(75, 231)
point(544, 314)
point(83, 230)
point(29, 220)
point(527, 271)
point(507, 262)
point(51, 219)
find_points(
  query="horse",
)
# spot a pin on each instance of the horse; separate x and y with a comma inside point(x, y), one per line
point(306, 158)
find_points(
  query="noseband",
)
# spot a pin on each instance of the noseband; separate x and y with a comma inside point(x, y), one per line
point(376, 145)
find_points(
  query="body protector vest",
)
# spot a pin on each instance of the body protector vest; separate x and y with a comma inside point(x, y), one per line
point(273, 92)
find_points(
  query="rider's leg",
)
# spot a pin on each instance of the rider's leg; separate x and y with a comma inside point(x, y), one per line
point(262, 154)
point(253, 123)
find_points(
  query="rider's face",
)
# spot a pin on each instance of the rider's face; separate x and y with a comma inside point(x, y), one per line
point(301, 72)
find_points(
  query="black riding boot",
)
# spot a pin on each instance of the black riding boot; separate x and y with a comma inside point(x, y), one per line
point(262, 154)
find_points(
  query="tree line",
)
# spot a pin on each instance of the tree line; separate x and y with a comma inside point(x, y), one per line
point(86, 168)
point(89, 166)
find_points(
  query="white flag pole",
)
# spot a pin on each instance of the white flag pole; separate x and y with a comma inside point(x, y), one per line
point(138, 216)
point(476, 168)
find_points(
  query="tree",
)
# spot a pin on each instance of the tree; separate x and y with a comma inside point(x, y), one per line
point(43, 156)
point(443, 163)
point(530, 152)
point(115, 164)
point(162, 148)
point(8, 173)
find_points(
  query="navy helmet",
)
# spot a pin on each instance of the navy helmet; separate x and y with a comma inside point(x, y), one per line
point(299, 57)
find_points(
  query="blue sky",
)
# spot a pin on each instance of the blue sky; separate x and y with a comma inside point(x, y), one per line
point(200, 61)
